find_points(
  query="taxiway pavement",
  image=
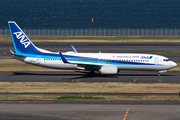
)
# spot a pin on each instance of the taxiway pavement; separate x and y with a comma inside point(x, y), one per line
point(69, 76)
point(33, 111)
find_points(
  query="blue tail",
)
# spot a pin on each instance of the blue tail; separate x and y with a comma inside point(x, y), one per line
point(22, 43)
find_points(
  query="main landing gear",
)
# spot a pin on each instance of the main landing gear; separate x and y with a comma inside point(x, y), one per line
point(91, 73)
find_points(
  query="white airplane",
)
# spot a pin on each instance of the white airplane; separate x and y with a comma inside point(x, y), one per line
point(106, 63)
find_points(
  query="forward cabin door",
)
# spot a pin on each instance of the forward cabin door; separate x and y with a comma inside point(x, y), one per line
point(156, 60)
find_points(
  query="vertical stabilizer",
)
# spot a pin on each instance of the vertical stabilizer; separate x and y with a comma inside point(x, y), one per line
point(22, 43)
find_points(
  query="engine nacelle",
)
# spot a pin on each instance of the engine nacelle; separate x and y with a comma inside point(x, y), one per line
point(109, 70)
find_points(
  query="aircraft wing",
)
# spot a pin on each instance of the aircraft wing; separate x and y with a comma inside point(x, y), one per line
point(73, 49)
point(63, 58)
point(85, 65)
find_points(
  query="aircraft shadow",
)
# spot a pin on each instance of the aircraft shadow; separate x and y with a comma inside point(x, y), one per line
point(137, 74)
point(44, 74)
point(87, 75)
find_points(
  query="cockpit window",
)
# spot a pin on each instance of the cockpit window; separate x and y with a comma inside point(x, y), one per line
point(166, 60)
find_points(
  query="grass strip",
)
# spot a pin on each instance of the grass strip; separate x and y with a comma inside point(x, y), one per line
point(161, 52)
point(96, 39)
point(48, 97)
point(81, 87)
point(78, 97)
point(116, 97)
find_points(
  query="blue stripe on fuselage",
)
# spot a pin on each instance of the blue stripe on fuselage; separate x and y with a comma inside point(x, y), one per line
point(85, 59)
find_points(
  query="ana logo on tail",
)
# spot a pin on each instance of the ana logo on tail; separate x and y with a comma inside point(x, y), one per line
point(23, 40)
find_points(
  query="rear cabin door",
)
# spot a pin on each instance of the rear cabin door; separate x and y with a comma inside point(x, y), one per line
point(38, 59)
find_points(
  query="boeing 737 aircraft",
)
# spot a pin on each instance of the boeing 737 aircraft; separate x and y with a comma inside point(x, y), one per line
point(106, 63)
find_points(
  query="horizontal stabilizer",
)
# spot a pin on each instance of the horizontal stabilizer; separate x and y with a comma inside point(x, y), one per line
point(20, 55)
point(12, 51)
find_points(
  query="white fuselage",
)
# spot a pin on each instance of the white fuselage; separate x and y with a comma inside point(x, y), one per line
point(123, 61)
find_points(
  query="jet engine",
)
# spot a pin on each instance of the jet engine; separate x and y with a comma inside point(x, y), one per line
point(109, 70)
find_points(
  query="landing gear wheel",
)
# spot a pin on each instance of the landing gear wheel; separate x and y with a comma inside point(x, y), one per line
point(91, 73)
point(159, 74)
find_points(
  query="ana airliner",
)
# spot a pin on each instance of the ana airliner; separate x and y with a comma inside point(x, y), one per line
point(105, 63)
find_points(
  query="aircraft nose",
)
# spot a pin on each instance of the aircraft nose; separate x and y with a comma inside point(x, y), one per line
point(173, 64)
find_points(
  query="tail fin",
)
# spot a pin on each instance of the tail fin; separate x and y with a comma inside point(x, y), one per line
point(22, 43)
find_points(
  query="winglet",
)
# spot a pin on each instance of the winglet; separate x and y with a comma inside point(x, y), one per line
point(63, 58)
point(73, 49)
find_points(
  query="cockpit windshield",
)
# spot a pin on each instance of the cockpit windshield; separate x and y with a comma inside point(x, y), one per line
point(166, 60)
